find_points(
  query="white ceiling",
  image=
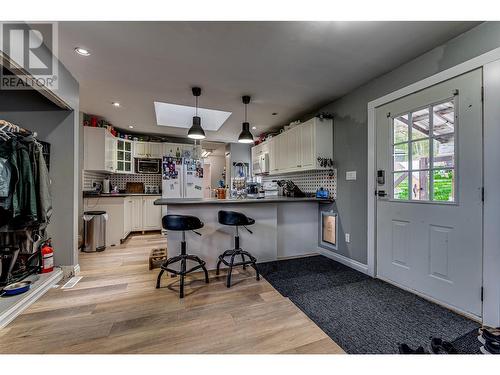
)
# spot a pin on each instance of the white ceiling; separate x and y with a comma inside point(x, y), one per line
point(290, 68)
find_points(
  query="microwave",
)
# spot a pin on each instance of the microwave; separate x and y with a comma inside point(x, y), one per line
point(261, 164)
point(147, 166)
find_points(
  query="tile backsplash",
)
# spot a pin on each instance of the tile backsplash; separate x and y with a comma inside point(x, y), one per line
point(310, 181)
point(119, 180)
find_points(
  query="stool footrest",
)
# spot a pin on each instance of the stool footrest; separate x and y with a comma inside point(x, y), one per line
point(183, 258)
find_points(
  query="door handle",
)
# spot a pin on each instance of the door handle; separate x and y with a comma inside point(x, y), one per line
point(381, 193)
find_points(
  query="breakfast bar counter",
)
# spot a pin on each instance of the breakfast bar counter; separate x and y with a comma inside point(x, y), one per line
point(284, 226)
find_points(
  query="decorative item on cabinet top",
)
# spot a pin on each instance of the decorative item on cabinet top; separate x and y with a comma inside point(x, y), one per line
point(310, 181)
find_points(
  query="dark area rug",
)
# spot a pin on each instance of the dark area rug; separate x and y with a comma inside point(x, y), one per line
point(366, 315)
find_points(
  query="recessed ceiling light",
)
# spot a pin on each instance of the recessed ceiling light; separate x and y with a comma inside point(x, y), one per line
point(131, 126)
point(82, 51)
point(115, 104)
point(254, 127)
point(274, 113)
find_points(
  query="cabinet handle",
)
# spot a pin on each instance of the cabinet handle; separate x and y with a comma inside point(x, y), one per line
point(299, 165)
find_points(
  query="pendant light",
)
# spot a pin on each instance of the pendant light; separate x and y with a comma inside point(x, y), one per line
point(245, 135)
point(196, 131)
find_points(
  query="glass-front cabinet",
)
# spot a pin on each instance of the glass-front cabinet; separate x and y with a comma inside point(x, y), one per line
point(124, 160)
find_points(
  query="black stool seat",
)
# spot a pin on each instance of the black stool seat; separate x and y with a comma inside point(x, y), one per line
point(181, 222)
point(234, 218)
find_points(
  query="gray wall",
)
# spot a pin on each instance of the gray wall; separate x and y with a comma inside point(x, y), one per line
point(350, 126)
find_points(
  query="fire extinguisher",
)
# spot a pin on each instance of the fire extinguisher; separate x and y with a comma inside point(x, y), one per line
point(47, 254)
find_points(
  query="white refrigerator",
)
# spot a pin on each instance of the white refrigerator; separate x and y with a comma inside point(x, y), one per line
point(182, 178)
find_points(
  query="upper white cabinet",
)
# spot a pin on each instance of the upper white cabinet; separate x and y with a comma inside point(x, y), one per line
point(152, 150)
point(141, 149)
point(299, 148)
point(155, 150)
point(124, 160)
point(99, 148)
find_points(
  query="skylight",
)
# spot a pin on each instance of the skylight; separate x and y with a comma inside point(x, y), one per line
point(181, 116)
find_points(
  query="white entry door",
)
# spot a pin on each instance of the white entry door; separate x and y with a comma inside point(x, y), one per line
point(429, 192)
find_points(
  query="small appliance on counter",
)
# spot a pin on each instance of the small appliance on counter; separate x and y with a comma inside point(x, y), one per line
point(252, 189)
point(151, 189)
point(106, 186)
point(134, 188)
point(322, 193)
point(270, 189)
point(290, 189)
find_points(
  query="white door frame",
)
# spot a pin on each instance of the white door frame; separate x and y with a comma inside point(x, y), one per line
point(491, 245)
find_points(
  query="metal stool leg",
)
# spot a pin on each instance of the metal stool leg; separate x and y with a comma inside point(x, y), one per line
point(230, 270)
point(159, 279)
point(218, 267)
point(254, 265)
point(243, 259)
point(183, 269)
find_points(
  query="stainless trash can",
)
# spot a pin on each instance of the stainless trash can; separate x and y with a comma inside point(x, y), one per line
point(94, 231)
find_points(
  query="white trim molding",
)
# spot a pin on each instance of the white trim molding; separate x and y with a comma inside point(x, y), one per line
point(70, 271)
point(17, 304)
point(358, 266)
point(491, 254)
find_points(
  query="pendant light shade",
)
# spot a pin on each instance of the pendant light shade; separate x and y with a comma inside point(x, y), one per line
point(196, 131)
point(245, 135)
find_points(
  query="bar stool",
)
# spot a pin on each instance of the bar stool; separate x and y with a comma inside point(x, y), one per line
point(182, 223)
point(236, 219)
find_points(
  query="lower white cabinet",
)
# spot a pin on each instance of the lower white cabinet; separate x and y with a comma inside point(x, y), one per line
point(137, 213)
point(151, 214)
point(126, 214)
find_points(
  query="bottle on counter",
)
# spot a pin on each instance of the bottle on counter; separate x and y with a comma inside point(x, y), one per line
point(178, 153)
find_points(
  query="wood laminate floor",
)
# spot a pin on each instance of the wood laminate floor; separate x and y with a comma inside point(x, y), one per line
point(115, 308)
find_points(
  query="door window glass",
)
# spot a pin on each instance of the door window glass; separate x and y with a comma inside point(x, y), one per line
point(426, 137)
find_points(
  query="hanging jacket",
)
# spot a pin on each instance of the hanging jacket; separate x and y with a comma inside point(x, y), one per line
point(8, 154)
point(24, 208)
point(43, 186)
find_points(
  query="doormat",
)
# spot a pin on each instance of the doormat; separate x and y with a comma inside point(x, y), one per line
point(361, 314)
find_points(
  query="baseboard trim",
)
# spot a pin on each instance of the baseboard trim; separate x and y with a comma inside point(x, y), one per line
point(23, 301)
point(70, 271)
point(354, 264)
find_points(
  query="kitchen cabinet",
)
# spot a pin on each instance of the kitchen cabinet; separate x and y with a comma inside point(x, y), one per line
point(126, 214)
point(307, 158)
point(273, 165)
point(155, 150)
point(137, 216)
point(151, 214)
point(99, 148)
point(299, 148)
point(140, 149)
point(124, 160)
point(151, 150)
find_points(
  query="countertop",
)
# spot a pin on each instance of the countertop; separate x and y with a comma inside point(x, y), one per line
point(279, 199)
point(102, 195)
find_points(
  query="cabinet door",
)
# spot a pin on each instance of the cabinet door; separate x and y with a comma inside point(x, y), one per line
point(127, 217)
point(155, 150)
point(273, 156)
point(137, 213)
point(141, 149)
point(293, 148)
point(307, 145)
point(110, 153)
point(151, 214)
